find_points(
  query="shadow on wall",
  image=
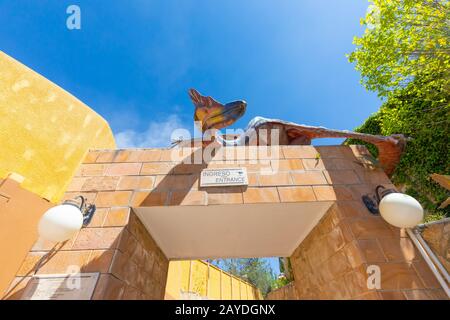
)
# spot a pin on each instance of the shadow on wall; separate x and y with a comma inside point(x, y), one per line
point(52, 262)
point(181, 184)
point(332, 262)
point(130, 264)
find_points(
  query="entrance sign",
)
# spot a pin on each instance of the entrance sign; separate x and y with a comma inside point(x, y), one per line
point(223, 177)
point(78, 286)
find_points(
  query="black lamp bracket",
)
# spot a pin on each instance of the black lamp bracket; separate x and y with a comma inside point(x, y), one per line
point(372, 202)
point(87, 210)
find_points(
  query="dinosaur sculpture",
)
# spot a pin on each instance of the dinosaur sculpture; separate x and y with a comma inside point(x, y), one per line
point(210, 115)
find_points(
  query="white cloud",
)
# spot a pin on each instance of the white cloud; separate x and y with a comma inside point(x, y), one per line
point(158, 134)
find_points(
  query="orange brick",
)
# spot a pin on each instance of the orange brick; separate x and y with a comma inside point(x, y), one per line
point(373, 295)
point(353, 254)
point(151, 168)
point(358, 190)
point(262, 166)
point(130, 293)
point(392, 295)
point(276, 179)
point(188, 198)
point(287, 164)
point(224, 164)
point(89, 196)
point(63, 262)
point(253, 179)
point(339, 264)
point(136, 182)
point(129, 156)
point(372, 227)
point(91, 156)
point(356, 282)
point(372, 176)
point(91, 169)
point(30, 263)
point(328, 193)
point(227, 195)
point(108, 288)
point(173, 155)
point(15, 291)
point(98, 218)
point(399, 249)
point(308, 178)
point(260, 195)
point(124, 268)
point(332, 151)
point(189, 168)
point(44, 245)
point(113, 198)
point(335, 239)
point(150, 155)
point(352, 209)
point(424, 272)
point(313, 164)
point(76, 184)
point(359, 150)
point(123, 169)
point(437, 294)
point(100, 184)
point(176, 182)
point(371, 251)
point(341, 177)
point(341, 164)
point(296, 194)
point(145, 198)
point(106, 156)
point(299, 152)
point(417, 295)
point(117, 217)
point(98, 238)
point(398, 276)
point(99, 261)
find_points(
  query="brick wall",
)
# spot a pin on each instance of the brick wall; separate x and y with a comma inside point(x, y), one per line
point(329, 263)
point(332, 262)
point(130, 264)
point(438, 238)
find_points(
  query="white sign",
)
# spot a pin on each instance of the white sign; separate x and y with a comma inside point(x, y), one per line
point(78, 286)
point(224, 177)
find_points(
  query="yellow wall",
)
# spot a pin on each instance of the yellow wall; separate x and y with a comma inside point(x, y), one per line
point(44, 131)
point(207, 282)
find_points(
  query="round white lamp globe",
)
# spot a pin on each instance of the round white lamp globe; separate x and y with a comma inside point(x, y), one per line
point(401, 210)
point(60, 223)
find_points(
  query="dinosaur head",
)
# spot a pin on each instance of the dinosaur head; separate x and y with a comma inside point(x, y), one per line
point(214, 115)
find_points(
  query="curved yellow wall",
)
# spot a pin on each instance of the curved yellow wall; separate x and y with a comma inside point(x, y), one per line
point(44, 131)
point(201, 280)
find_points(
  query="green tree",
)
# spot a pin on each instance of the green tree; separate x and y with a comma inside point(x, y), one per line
point(404, 55)
point(402, 40)
point(257, 271)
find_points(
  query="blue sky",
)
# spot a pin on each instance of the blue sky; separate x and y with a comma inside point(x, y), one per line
point(133, 61)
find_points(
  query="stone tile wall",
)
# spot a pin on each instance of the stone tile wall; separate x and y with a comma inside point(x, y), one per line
point(334, 261)
point(330, 263)
point(438, 238)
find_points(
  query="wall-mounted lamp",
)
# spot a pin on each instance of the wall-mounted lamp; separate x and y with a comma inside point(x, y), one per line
point(398, 209)
point(62, 222)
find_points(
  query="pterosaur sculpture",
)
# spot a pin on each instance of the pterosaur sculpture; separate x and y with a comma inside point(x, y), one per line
point(211, 114)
